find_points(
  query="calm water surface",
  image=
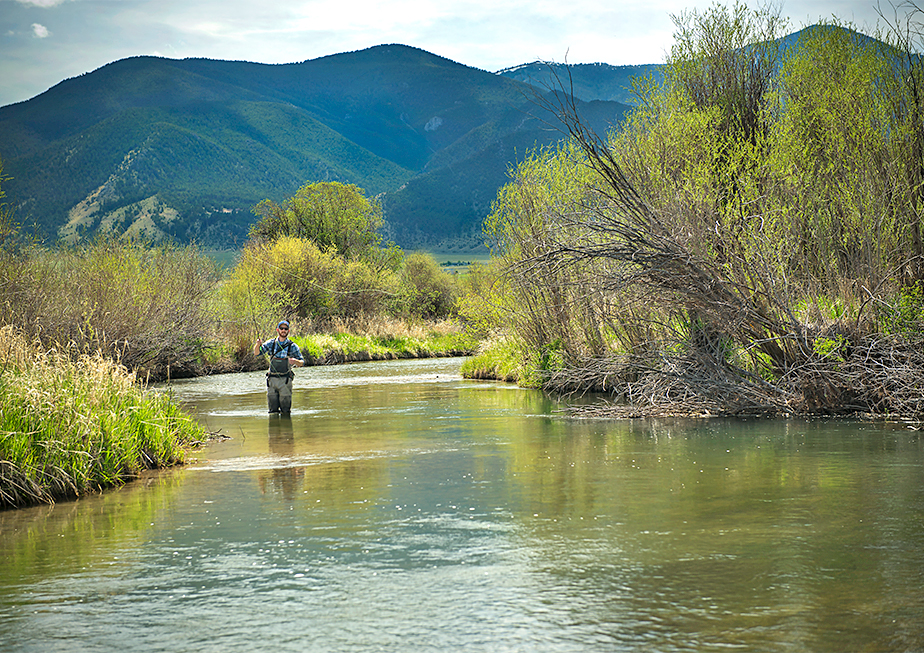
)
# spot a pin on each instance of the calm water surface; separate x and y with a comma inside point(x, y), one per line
point(401, 508)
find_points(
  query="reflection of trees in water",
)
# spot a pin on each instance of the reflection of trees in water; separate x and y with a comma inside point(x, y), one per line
point(282, 443)
point(79, 534)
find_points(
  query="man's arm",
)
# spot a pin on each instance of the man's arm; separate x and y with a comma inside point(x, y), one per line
point(297, 360)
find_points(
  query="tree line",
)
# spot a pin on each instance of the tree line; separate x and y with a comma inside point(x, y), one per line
point(163, 309)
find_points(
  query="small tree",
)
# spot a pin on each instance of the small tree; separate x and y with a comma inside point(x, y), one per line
point(330, 214)
point(725, 59)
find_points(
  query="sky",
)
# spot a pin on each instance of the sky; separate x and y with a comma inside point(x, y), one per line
point(43, 42)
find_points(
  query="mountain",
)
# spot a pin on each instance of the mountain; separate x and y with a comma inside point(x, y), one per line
point(185, 148)
point(586, 81)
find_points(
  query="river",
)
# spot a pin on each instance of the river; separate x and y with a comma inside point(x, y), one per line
point(402, 508)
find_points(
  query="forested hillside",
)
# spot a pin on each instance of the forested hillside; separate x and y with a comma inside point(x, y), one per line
point(186, 147)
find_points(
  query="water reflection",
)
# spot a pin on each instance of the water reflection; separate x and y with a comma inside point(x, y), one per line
point(283, 478)
point(402, 508)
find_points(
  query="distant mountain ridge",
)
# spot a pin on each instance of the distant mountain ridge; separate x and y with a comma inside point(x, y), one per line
point(184, 148)
point(585, 81)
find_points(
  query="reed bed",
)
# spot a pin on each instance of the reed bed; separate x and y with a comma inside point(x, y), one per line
point(69, 426)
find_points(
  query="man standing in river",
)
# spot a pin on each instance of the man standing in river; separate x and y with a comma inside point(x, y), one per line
point(284, 355)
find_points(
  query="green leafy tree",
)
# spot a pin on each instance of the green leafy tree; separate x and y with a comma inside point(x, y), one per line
point(745, 197)
point(725, 58)
point(330, 214)
point(425, 289)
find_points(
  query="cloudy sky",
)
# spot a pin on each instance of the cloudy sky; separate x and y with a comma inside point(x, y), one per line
point(43, 42)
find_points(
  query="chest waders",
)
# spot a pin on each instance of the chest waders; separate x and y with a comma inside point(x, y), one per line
point(279, 380)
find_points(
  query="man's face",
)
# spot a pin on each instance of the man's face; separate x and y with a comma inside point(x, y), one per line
point(282, 330)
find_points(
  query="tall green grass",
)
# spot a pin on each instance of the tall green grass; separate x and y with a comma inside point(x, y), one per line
point(383, 339)
point(68, 427)
point(500, 359)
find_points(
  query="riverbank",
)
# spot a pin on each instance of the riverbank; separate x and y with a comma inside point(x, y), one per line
point(339, 342)
point(69, 427)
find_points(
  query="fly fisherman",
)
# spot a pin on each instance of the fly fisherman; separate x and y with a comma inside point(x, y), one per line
point(284, 355)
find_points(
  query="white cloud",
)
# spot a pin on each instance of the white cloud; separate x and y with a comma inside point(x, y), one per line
point(40, 3)
point(39, 31)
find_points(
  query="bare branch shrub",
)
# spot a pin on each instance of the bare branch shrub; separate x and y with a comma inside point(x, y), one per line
point(145, 306)
point(740, 246)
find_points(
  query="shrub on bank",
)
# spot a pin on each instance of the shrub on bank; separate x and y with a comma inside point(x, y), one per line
point(143, 305)
point(71, 427)
point(294, 277)
point(748, 242)
point(425, 289)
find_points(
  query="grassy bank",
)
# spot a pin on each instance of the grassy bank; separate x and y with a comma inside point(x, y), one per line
point(68, 427)
point(500, 360)
point(344, 341)
point(329, 349)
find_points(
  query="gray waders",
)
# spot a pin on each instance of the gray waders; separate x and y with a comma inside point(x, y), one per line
point(279, 386)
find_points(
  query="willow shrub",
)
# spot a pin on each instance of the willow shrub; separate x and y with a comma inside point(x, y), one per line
point(811, 204)
point(793, 180)
point(293, 277)
point(144, 305)
point(72, 426)
point(425, 290)
point(546, 305)
point(835, 158)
